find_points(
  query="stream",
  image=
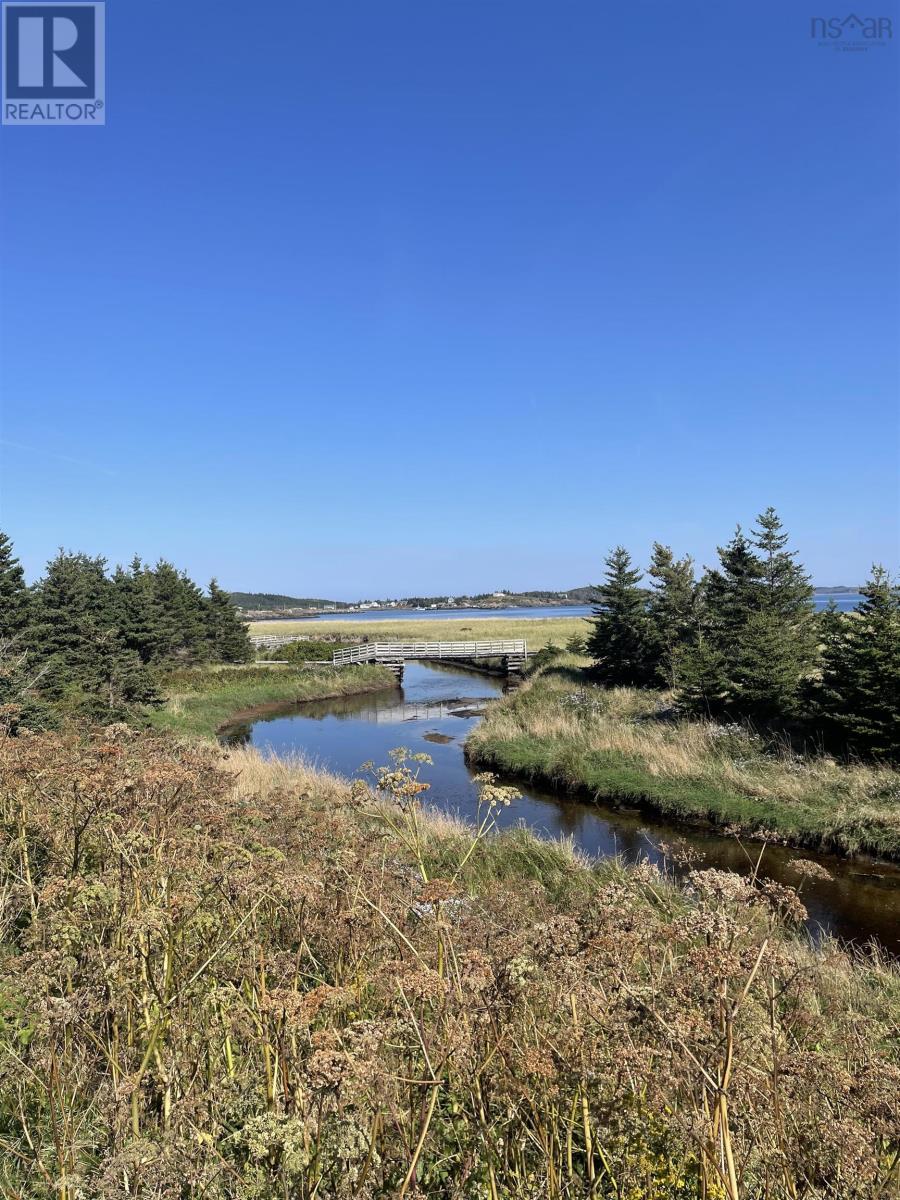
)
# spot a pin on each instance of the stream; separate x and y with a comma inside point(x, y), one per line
point(434, 712)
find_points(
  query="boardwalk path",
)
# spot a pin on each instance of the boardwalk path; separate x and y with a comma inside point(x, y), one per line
point(513, 651)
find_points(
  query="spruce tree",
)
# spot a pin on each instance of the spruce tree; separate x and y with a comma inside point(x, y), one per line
point(775, 657)
point(733, 589)
point(21, 703)
point(227, 633)
point(179, 616)
point(859, 693)
point(730, 596)
point(75, 639)
point(137, 611)
point(760, 646)
point(13, 592)
point(621, 640)
point(72, 603)
point(674, 610)
point(117, 679)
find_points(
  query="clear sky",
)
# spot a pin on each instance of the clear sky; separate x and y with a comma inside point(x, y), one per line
point(356, 298)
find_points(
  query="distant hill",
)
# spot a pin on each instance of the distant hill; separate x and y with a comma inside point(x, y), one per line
point(261, 601)
point(533, 599)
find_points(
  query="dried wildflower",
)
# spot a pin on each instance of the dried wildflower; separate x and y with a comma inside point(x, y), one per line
point(809, 869)
point(783, 901)
point(437, 891)
point(722, 886)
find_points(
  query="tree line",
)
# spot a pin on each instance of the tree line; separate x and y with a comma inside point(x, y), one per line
point(744, 640)
point(83, 641)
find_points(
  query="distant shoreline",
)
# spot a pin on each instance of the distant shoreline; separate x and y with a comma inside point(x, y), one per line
point(474, 613)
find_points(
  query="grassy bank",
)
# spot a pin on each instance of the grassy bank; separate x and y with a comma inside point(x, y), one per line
point(201, 700)
point(234, 979)
point(616, 744)
point(538, 632)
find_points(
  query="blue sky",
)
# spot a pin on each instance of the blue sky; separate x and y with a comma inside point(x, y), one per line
point(357, 298)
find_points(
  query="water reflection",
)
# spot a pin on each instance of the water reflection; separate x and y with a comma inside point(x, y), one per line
point(433, 713)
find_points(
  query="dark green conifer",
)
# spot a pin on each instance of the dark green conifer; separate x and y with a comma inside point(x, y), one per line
point(621, 639)
point(227, 633)
point(72, 604)
point(137, 611)
point(859, 693)
point(760, 646)
point(179, 616)
point(675, 611)
point(75, 639)
point(13, 592)
point(775, 657)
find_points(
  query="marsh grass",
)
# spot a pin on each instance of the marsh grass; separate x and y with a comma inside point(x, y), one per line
point(234, 978)
point(200, 700)
point(627, 745)
point(538, 632)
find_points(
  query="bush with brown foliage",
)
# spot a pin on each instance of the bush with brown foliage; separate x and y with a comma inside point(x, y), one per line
point(226, 978)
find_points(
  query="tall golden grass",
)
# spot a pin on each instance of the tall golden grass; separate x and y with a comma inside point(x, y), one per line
point(538, 632)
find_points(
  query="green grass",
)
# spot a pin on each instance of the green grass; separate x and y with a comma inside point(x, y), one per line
point(538, 632)
point(617, 745)
point(202, 700)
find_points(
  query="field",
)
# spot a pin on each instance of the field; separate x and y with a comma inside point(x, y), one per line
point(623, 744)
point(236, 979)
point(200, 700)
point(539, 632)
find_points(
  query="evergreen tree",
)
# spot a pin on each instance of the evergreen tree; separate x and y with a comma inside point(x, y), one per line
point(72, 604)
point(621, 641)
point(227, 633)
point(733, 590)
point(75, 638)
point(21, 703)
point(775, 657)
point(674, 610)
point(137, 611)
point(766, 670)
point(760, 649)
point(703, 680)
point(179, 616)
point(730, 597)
point(859, 694)
point(786, 590)
point(117, 678)
point(13, 592)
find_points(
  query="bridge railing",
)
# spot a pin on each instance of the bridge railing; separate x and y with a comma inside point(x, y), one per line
point(398, 651)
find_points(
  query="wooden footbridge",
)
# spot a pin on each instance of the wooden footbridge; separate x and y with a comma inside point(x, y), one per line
point(513, 652)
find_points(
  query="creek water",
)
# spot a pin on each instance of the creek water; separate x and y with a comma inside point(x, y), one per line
point(434, 712)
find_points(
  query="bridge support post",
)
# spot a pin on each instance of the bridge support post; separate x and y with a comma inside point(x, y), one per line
point(396, 666)
point(514, 665)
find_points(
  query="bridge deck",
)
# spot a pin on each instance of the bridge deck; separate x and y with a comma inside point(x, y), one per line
point(514, 650)
point(401, 651)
